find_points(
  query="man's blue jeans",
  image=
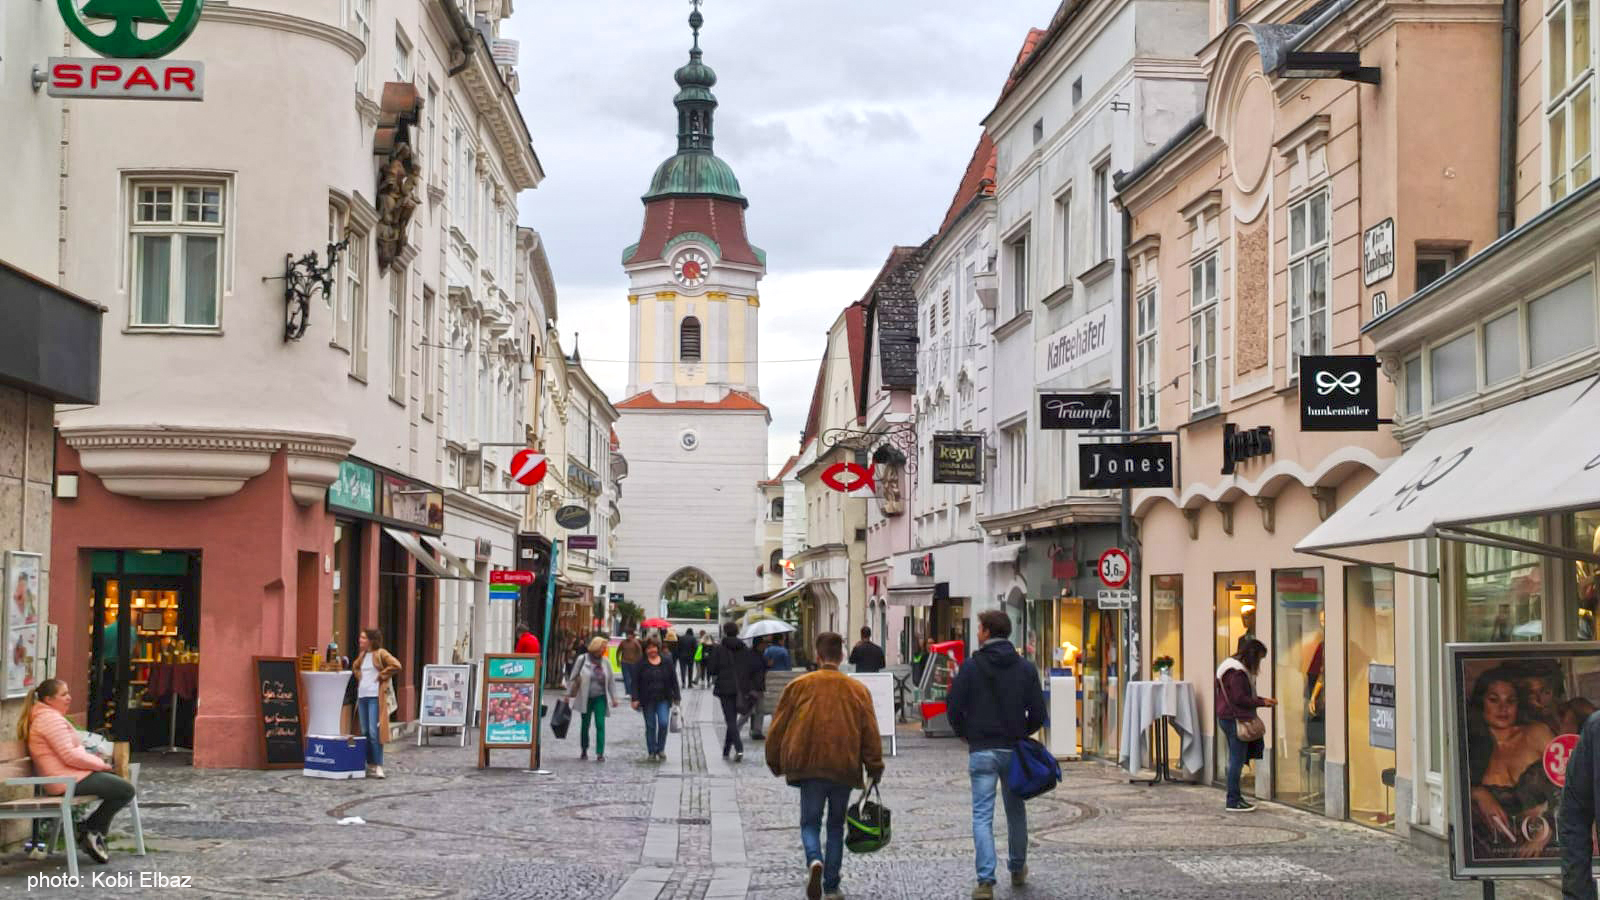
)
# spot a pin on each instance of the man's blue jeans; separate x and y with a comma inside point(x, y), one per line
point(627, 678)
point(814, 792)
point(988, 769)
point(657, 716)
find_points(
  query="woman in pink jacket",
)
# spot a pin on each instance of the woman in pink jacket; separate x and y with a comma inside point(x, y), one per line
point(55, 748)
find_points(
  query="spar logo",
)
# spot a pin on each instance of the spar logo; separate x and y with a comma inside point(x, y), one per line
point(128, 37)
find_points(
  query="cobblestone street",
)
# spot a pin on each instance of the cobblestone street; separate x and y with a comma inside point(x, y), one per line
point(697, 827)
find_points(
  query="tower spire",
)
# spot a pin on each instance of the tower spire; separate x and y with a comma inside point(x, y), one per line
point(695, 101)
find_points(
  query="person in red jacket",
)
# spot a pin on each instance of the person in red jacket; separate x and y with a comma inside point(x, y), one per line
point(526, 642)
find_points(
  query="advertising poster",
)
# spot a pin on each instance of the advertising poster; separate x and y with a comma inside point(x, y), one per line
point(1516, 712)
point(21, 622)
point(445, 695)
point(508, 714)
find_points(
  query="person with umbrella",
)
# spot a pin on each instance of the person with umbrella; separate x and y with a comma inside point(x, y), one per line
point(756, 670)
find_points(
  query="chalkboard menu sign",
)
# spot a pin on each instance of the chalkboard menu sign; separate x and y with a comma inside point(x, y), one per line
point(278, 689)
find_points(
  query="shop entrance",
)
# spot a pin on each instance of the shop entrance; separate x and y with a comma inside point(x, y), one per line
point(1102, 677)
point(1234, 609)
point(143, 678)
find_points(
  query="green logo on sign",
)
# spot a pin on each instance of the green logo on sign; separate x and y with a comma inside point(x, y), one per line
point(124, 42)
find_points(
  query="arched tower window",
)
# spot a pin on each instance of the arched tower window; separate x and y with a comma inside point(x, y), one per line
point(689, 340)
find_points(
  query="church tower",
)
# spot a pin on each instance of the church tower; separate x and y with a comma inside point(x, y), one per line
point(693, 425)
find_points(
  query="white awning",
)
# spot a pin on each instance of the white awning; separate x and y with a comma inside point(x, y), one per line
point(414, 547)
point(770, 600)
point(911, 595)
point(1536, 455)
point(1000, 554)
point(461, 567)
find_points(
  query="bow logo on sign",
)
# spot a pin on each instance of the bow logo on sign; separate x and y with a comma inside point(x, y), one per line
point(1327, 382)
point(861, 477)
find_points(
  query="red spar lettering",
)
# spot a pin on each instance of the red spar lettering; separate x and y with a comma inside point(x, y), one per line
point(141, 77)
point(68, 75)
point(98, 74)
point(181, 75)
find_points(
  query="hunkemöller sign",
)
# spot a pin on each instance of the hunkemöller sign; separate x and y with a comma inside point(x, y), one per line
point(1080, 341)
point(131, 69)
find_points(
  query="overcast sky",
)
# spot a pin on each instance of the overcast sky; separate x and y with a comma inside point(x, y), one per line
point(848, 123)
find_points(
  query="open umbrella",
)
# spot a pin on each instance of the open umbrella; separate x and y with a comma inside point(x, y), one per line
point(764, 628)
point(655, 623)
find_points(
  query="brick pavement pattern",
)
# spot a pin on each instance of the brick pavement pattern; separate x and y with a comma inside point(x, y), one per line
point(699, 828)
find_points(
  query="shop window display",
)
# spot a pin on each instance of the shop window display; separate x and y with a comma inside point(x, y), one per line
point(1166, 629)
point(1234, 609)
point(1504, 596)
point(1584, 529)
point(1369, 659)
point(1300, 682)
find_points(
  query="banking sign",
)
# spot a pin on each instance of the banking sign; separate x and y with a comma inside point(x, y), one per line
point(139, 32)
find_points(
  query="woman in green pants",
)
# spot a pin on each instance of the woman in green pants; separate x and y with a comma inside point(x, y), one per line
point(590, 689)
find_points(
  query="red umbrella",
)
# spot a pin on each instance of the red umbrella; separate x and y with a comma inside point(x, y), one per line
point(655, 623)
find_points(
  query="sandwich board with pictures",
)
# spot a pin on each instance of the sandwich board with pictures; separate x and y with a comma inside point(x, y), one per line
point(446, 699)
point(510, 707)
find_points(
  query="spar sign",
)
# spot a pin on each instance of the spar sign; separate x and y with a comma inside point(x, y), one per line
point(132, 35)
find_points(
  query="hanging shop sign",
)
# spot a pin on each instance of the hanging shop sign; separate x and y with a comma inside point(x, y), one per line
point(412, 502)
point(922, 565)
point(1377, 252)
point(1380, 706)
point(353, 489)
point(958, 458)
point(1240, 444)
point(616, 597)
point(848, 477)
point(1547, 686)
point(528, 468)
point(131, 69)
point(583, 542)
point(1339, 393)
point(1108, 466)
point(572, 516)
point(1078, 343)
point(511, 576)
point(1114, 567)
point(619, 575)
point(1080, 411)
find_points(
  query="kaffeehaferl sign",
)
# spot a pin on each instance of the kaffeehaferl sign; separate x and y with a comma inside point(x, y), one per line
point(1339, 393)
point(131, 69)
point(1079, 342)
point(958, 459)
point(1080, 411)
point(1147, 464)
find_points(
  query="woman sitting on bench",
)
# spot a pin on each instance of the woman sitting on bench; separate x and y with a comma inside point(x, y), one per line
point(55, 748)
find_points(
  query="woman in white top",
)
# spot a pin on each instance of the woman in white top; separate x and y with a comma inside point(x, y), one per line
point(372, 668)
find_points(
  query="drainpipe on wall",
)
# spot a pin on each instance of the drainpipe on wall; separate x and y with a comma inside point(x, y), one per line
point(1131, 665)
point(1509, 35)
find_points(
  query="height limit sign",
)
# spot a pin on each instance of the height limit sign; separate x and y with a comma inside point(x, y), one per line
point(1114, 568)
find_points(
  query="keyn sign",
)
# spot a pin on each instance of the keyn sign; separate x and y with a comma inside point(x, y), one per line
point(127, 79)
point(528, 467)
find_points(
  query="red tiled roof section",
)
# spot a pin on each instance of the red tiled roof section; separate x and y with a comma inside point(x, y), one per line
point(814, 416)
point(721, 220)
point(1030, 44)
point(778, 478)
point(733, 400)
point(977, 181)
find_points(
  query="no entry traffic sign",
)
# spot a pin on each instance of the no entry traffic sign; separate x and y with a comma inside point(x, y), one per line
point(528, 467)
point(1114, 568)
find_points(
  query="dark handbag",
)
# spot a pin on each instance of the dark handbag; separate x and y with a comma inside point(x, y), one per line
point(561, 719)
point(866, 822)
point(1248, 729)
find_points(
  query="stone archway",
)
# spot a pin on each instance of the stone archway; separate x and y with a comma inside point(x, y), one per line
point(690, 593)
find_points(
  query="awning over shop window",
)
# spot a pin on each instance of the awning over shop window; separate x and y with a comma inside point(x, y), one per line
point(1531, 457)
point(456, 564)
point(768, 600)
point(911, 595)
point(1000, 554)
point(414, 547)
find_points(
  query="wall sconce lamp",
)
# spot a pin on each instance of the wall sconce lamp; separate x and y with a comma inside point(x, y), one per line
point(1345, 66)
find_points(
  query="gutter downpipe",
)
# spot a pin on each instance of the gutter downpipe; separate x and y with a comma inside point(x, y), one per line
point(1509, 35)
point(1132, 667)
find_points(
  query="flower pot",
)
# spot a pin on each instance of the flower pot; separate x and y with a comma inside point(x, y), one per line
point(1164, 675)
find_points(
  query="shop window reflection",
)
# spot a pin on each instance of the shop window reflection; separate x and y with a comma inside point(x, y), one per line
point(1369, 617)
point(1234, 609)
point(1300, 684)
point(1166, 630)
point(1584, 527)
point(1504, 597)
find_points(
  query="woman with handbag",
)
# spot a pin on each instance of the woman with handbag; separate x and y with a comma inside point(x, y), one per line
point(373, 672)
point(655, 686)
point(590, 690)
point(1236, 704)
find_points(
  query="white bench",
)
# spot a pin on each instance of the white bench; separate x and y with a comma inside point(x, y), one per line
point(16, 770)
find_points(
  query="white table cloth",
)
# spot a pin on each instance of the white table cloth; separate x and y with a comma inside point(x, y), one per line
point(1143, 703)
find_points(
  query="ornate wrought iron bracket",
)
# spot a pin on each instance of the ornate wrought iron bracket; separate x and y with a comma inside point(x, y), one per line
point(302, 278)
point(894, 444)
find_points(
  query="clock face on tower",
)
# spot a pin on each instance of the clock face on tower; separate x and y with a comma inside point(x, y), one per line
point(690, 268)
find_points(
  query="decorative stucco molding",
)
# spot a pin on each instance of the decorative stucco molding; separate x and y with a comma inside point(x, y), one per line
point(180, 463)
point(1331, 470)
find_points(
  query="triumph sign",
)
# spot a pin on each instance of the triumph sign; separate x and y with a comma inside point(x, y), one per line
point(1080, 411)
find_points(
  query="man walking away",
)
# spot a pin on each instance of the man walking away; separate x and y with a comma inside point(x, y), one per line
point(629, 653)
point(867, 656)
point(686, 648)
point(995, 702)
point(755, 686)
point(823, 735)
point(777, 655)
point(1576, 819)
point(726, 669)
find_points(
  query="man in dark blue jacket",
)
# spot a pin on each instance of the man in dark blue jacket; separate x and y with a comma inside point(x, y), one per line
point(1575, 821)
point(995, 701)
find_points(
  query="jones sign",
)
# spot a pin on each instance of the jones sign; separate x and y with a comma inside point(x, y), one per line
point(1105, 466)
point(127, 79)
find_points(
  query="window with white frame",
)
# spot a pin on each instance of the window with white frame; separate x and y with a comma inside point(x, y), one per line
point(361, 27)
point(431, 132)
point(1016, 445)
point(1569, 95)
point(458, 193)
point(1064, 234)
point(402, 57)
point(1017, 266)
point(354, 303)
point(1204, 377)
point(1145, 359)
point(176, 239)
point(1310, 317)
point(426, 342)
point(397, 335)
point(1102, 211)
point(337, 223)
point(460, 372)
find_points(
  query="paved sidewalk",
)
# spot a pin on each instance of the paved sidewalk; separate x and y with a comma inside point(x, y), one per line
point(699, 828)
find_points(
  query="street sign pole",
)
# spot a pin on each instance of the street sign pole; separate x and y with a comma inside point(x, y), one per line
point(544, 649)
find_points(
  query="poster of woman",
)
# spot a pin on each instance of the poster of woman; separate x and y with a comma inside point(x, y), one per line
point(1517, 711)
point(21, 622)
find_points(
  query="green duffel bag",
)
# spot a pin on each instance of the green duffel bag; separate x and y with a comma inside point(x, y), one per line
point(866, 822)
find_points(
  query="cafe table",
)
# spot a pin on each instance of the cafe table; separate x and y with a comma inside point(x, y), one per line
point(1164, 705)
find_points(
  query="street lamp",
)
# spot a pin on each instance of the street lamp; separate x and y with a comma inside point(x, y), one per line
point(1345, 66)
